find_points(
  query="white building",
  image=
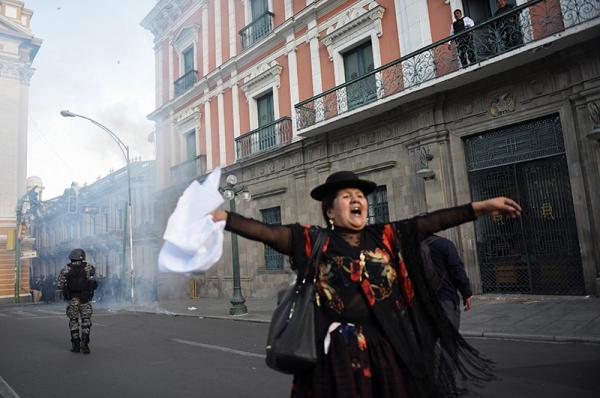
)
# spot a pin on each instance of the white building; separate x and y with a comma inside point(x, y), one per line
point(18, 48)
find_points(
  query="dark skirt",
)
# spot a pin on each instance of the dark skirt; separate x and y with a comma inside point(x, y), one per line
point(360, 363)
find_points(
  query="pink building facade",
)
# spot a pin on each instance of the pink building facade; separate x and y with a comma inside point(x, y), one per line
point(283, 92)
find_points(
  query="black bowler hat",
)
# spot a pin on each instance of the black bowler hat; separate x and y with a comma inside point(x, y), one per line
point(340, 180)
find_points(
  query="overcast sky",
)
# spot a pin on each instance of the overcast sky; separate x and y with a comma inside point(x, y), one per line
point(95, 60)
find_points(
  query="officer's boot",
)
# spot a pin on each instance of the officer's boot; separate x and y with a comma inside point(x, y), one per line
point(75, 345)
point(85, 340)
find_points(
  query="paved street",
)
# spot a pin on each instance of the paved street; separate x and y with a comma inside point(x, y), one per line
point(153, 355)
point(135, 355)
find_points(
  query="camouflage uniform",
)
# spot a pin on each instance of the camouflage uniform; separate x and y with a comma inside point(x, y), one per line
point(79, 305)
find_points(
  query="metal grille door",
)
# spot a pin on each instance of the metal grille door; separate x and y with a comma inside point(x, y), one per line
point(539, 252)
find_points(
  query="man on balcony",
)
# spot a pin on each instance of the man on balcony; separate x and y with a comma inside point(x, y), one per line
point(509, 27)
point(464, 44)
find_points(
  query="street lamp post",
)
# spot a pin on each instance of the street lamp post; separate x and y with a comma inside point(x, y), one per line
point(125, 150)
point(230, 192)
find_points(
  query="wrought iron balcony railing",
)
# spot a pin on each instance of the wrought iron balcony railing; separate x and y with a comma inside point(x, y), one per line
point(264, 138)
point(257, 29)
point(529, 22)
point(188, 170)
point(185, 82)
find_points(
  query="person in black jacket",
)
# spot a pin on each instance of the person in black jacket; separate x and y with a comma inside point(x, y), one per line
point(77, 282)
point(454, 279)
point(508, 28)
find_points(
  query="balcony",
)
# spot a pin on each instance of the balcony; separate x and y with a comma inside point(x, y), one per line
point(185, 82)
point(264, 138)
point(188, 170)
point(256, 30)
point(528, 23)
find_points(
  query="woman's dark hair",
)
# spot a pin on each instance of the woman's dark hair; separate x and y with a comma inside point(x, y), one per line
point(326, 204)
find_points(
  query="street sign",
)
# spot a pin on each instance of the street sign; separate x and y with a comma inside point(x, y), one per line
point(29, 254)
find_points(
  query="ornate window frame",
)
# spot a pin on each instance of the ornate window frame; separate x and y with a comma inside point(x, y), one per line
point(185, 121)
point(352, 27)
point(187, 36)
point(262, 79)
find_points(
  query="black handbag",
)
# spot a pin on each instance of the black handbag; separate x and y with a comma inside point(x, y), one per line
point(291, 345)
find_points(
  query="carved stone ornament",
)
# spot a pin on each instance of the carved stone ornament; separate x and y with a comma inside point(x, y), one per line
point(467, 108)
point(16, 71)
point(186, 114)
point(26, 74)
point(594, 110)
point(263, 75)
point(185, 37)
point(505, 103)
point(352, 20)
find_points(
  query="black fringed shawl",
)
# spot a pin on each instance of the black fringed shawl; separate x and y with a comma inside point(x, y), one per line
point(425, 316)
point(416, 326)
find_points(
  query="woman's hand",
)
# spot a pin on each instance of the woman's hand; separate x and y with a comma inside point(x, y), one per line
point(219, 215)
point(500, 206)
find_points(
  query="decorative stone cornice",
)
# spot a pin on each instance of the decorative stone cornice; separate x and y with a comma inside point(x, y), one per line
point(376, 167)
point(165, 14)
point(312, 34)
point(272, 192)
point(186, 114)
point(261, 76)
point(418, 140)
point(359, 17)
point(16, 71)
point(290, 47)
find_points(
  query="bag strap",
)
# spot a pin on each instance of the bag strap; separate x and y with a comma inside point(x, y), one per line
point(317, 250)
point(431, 239)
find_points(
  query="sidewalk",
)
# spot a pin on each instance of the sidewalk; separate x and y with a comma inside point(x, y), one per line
point(545, 318)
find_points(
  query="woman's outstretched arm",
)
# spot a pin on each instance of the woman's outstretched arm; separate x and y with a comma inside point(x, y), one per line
point(451, 217)
point(279, 237)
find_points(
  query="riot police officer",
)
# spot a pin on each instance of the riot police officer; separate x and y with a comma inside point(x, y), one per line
point(77, 282)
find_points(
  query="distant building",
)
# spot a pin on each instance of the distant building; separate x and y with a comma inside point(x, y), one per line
point(283, 93)
point(18, 48)
point(93, 218)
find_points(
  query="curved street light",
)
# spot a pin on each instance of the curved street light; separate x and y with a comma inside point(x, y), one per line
point(230, 192)
point(125, 150)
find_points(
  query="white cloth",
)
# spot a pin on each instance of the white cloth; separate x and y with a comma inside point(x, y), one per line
point(193, 241)
point(332, 327)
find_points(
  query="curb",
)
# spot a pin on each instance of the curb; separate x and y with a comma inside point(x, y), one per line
point(531, 337)
point(464, 333)
point(237, 318)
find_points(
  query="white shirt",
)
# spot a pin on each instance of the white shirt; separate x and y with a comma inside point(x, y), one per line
point(468, 24)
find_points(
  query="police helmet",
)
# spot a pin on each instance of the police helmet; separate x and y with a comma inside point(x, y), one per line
point(77, 255)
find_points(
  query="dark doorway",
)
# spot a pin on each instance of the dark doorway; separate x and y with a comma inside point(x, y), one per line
point(479, 10)
point(538, 253)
